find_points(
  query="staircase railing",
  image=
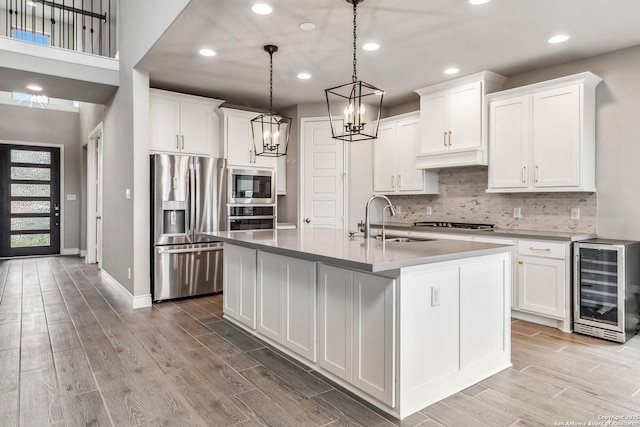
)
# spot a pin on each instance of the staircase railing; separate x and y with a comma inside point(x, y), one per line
point(82, 25)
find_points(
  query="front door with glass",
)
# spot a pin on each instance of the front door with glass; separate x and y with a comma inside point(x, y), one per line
point(29, 200)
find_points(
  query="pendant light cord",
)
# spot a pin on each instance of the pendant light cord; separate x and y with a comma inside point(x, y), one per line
point(271, 83)
point(355, 47)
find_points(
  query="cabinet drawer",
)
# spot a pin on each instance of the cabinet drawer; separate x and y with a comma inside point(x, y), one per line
point(542, 249)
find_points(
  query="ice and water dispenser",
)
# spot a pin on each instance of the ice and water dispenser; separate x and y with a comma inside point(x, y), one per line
point(174, 217)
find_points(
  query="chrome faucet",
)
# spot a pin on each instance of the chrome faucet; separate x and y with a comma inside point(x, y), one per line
point(367, 222)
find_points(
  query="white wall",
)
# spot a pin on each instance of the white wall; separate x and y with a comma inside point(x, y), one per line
point(47, 126)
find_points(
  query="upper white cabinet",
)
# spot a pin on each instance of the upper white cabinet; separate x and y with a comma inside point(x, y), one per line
point(453, 121)
point(281, 176)
point(395, 150)
point(183, 123)
point(542, 136)
point(237, 140)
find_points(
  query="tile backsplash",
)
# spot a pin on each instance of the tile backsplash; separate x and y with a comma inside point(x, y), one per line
point(463, 198)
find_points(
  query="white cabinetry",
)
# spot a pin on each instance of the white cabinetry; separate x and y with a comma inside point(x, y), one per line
point(543, 278)
point(239, 279)
point(287, 302)
point(183, 123)
point(453, 121)
point(357, 329)
point(542, 136)
point(394, 152)
point(237, 140)
point(281, 176)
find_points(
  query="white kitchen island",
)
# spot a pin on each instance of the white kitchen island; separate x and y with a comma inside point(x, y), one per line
point(400, 324)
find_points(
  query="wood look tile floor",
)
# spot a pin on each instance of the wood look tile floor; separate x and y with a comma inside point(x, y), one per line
point(72, 353)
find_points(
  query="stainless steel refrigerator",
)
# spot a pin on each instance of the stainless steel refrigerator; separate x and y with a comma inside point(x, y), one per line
point(185, 202)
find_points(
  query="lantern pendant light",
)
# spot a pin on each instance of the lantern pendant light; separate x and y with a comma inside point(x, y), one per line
point(347, 102)
point(270, 131)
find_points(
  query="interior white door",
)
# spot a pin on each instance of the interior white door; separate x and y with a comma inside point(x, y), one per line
point(94, 196)
point(324, 175)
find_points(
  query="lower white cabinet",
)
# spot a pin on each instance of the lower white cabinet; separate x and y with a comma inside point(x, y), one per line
point(239, 274)
point(287, 302)
point(542, 281)
point(357, 329)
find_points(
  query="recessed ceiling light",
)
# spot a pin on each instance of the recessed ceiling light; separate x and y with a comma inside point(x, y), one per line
point(452, 70)
point(477, 2)
point(371, 46)
point(207, 52)
point(307, 26)
point(35, 88)
point(559, 38)
point(304, 76)
point(261, 9)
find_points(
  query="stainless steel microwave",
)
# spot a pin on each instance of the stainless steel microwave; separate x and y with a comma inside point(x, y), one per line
point(251, 186)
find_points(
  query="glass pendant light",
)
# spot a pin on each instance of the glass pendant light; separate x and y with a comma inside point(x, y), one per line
point(349, 102)
point(270, 131)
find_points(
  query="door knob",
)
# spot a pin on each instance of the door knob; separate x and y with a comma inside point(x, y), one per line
point(307, 220)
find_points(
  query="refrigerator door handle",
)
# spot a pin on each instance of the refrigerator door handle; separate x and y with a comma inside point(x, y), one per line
point(192, 206)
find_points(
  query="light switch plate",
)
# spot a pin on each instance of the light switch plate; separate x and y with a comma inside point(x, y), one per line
point(71, 197)
point(127, 193)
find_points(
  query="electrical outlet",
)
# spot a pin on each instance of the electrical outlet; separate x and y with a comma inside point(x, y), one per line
point(127, 193)
point(429, 210)
point(129, 272)
point(435, 296)
point(517, 212)
point(575, 213)
point(398, 209)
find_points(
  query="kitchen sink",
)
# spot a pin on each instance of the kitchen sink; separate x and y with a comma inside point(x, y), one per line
point(402, 239)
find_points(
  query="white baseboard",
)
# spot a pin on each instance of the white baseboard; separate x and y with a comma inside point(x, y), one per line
point(83, 253)
point(70, 251)
point(138, 301)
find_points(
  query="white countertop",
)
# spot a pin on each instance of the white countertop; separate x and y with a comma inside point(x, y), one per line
point(335, 247)
point(498, 232)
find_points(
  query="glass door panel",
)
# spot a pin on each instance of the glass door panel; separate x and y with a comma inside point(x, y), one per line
point(30, 203)
point(598, 285)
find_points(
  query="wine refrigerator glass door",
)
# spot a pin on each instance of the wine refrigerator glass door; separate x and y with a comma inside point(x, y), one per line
point(599, 286)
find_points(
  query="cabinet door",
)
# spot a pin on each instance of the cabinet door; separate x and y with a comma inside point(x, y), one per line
point(196, 128)
point(270, 296)
point(281, 176)
point(541, 285)
point(164, 121)
point(433, 112)
point(465, 117)
point(239, 281)
point(238, 141)
point(509, 142)
point(384, 158)
point(335, 320)
point(300, 307)
point(556, 137)
point(409, 178)
point(374, 326)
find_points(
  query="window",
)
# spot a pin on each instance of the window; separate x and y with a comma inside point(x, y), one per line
point(30, 36)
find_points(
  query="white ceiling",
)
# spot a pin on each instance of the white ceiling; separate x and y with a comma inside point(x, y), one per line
point(418, 38)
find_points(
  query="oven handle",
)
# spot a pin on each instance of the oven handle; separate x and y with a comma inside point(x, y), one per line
point(188, 251)
point(253, 217)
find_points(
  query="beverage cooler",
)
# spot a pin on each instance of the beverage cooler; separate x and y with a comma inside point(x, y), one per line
point(607, 288)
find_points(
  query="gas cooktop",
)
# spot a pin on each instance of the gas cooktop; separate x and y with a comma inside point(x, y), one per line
point(461, 225)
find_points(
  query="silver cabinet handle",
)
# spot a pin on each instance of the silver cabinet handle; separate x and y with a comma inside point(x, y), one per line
point(393, 182)
point(533, 248)
point(524, 174)
point(183, 142)
point(307, 220)
point(450, 138)
point(177, 141)
point(399, 181)
point(535, 174)
point(444, 138)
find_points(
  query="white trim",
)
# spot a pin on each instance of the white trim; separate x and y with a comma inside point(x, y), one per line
point(83, 253)
point(59, 54)
point(138, 301)
point(95, 143)
point(62, 196)
point(70, 251)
